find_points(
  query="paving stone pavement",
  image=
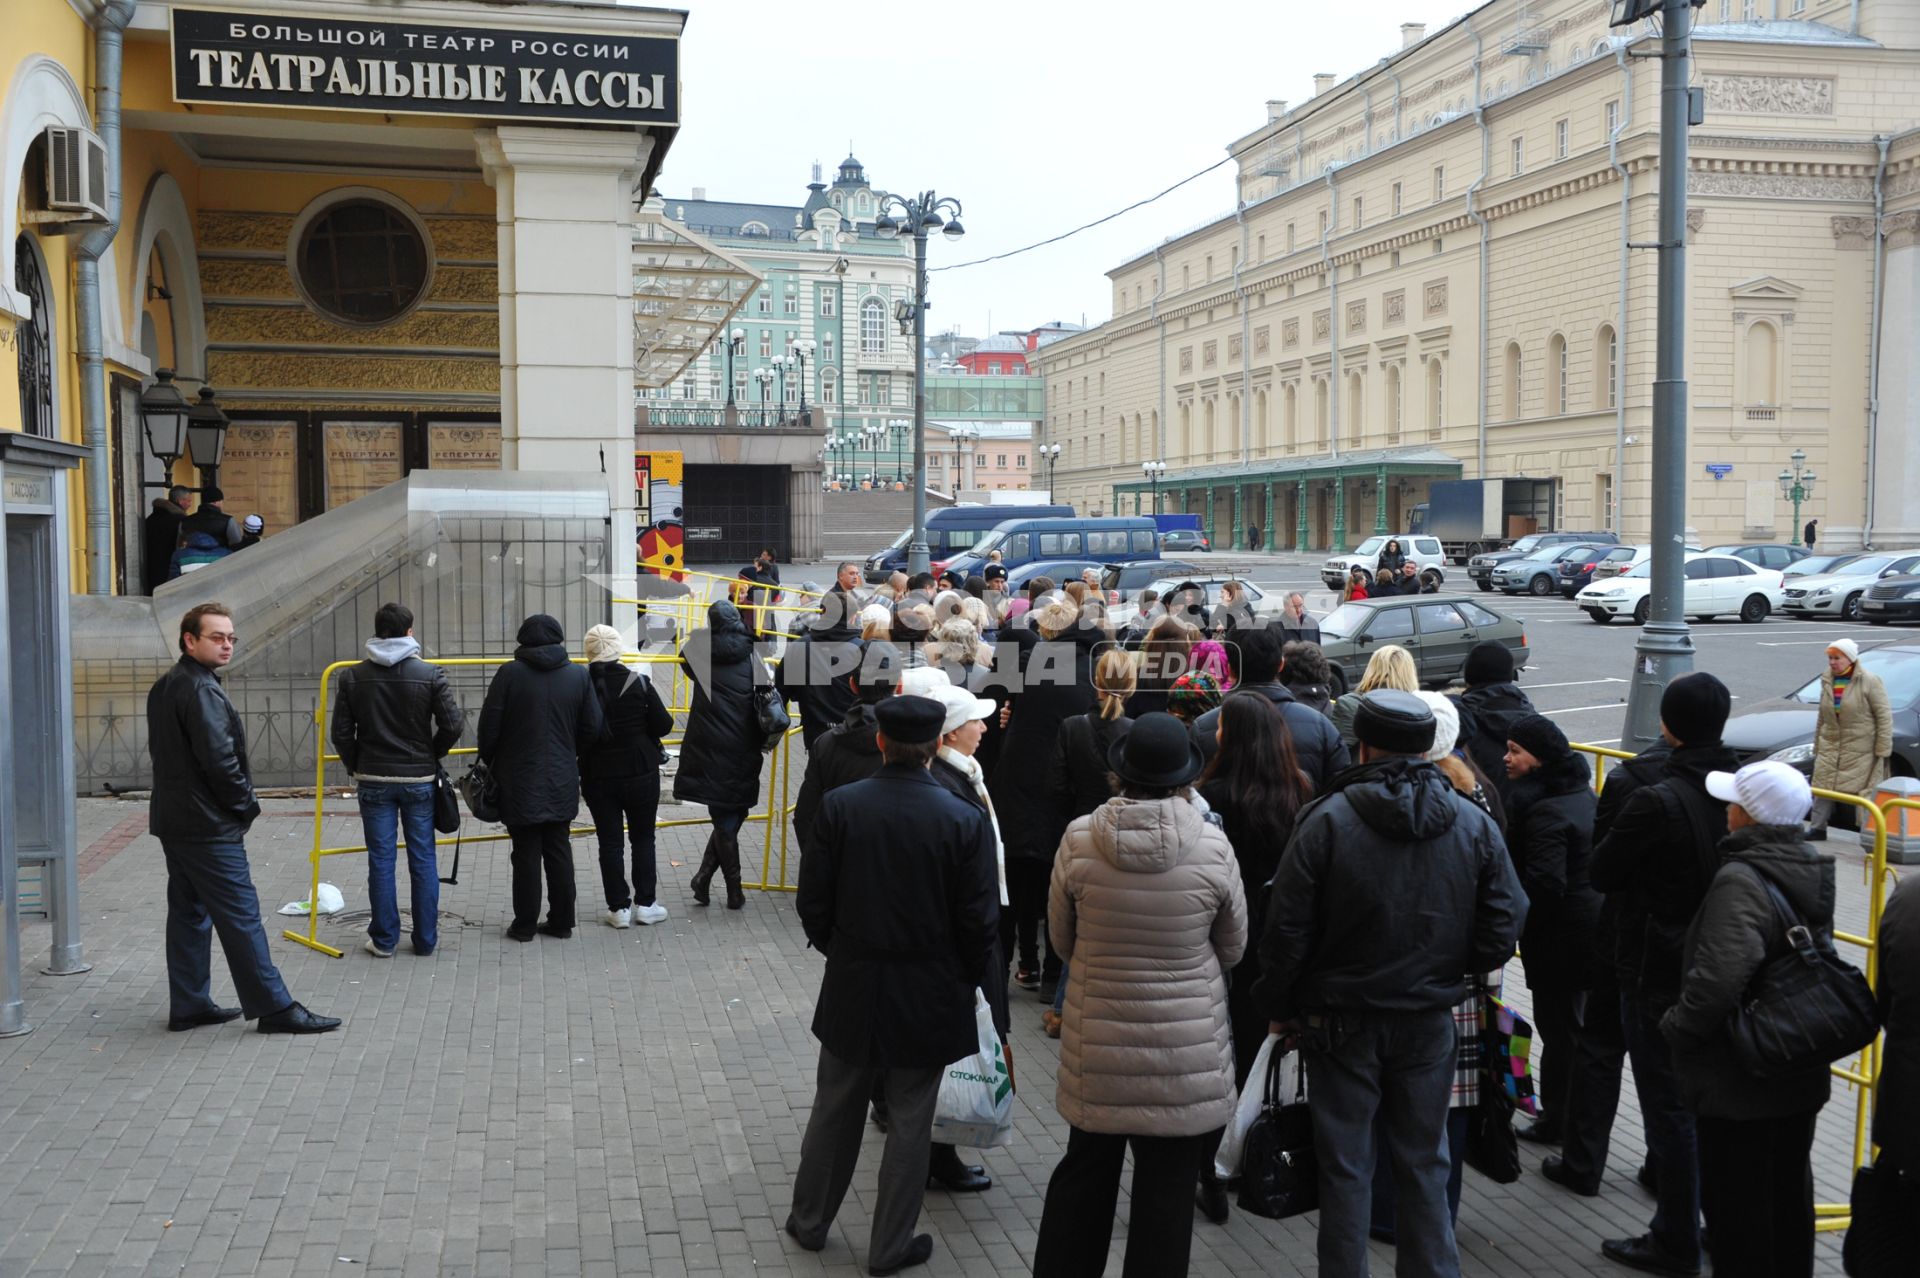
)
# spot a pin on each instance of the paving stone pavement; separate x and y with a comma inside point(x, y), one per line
point(622, 1102)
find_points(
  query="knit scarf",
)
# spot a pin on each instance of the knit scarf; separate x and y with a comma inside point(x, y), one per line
point(967, 766)
point(1840, 685)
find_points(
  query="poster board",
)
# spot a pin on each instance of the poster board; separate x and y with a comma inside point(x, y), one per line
point(659, 500)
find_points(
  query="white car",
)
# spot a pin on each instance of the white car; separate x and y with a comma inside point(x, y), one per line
point(1717, 586)
point(1838, 593)
point(1424, 551)
point(1264, 605)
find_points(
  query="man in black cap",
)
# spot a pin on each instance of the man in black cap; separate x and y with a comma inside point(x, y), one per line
point(1393, 886)
point(1490, 706)
point(1658, 857)
point(900, 891)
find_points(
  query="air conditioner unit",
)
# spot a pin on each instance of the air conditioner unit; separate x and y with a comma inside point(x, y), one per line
point(76, 188)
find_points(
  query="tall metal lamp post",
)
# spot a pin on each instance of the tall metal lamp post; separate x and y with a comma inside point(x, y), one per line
point(1664, 650)
point(1153, 470)
point(917, 216)
point(874, 432)
point(896, 430)
point(163, 416)
point(1050, 454)
point(780, 366)
point(763, 377)
point(801, 350)
point(736, 340)
point(1797, 486)
point(963, 438)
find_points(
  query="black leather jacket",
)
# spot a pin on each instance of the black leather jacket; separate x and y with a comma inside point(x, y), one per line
point(202, 787)
point(394, 719)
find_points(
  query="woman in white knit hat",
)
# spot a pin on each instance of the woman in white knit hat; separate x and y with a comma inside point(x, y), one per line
point(620, 778)
point(1853, 732)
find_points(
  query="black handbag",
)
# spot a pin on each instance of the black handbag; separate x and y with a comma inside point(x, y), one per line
point(482, 792)
point(1884, 1236)
point(446, 803)
point(1492, 1148)
point(771, 707)
point(1279, 1171)
point(1805, 1008)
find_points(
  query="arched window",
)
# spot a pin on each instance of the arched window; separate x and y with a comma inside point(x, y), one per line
point(1354, 408)
point(829, 386)
point(873, 327)
point(1290, 416)
point(1763, 358)
point(1260, 420)
point(34, 340)
point(1150, 447)
point(1321, 426)
point(1207, 440)
point(1436, 397)
point(1606, 368)
point(1393, 403)
point(1556, 375)
point(1510, 402)
point(1185, 447)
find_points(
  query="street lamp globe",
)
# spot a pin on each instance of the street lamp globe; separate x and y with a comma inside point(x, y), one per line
point(1786, 483)
point(885, 227)
point(954, 230)
point(1806, 484)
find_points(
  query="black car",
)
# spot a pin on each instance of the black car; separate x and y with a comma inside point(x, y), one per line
point(1121, 581)
point(1185, 539)
point(1763, 554)
point(1782, 728)
point(1576, 571)
point(1892, 599)
point(1480, 567)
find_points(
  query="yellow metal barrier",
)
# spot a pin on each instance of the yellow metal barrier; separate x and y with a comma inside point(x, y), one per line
point(1863, 1072)
point(779, 791)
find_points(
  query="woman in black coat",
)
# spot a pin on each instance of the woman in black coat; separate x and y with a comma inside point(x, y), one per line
point(1056, 684)
point(620, 778)
point(1550, 806)
point(1256, 785)
point(720, 755)
point(539, 717)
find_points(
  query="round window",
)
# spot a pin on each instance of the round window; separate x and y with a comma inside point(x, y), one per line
point(362, 261)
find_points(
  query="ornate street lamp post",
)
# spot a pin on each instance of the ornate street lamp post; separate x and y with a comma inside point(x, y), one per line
point(764, 377)
point(917, 216)
point(735, 341)
point(1050, 454)
point(1797, 486)
point(1153, 470)
point(800, 350)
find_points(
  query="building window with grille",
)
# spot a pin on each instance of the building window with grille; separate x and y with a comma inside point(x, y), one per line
point(1396, 199)
point(764, 303)
point(1556, 375)
point(766, 345)
point(873, 327)
point(829, 387)
point(826, 349)
point(1439, 183)
point(1511, 390)
point(1519, 156)
point(33, 340)
point(1613, 117)
point(826, 302)
point(1606, 368)
point(790, 305)
point(362, 262)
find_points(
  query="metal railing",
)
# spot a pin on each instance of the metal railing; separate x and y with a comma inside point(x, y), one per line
point(1862, 1073)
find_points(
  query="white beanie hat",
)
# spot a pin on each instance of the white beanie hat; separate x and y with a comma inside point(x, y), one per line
point(1446, 724)
point(1846, 648)
point(603, 644)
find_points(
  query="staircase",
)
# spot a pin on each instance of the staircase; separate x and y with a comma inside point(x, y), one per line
point(855, 524)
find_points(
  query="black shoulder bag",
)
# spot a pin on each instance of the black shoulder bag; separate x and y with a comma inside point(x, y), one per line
point(1279, 1170)
point(1806, 1007)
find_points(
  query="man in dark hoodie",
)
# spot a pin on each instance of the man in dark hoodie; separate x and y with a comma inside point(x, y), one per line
point(1393, 886)
point(1490, 706)
point(540, 715)
point(1659, 855)
point(1315, 740)
point(393, 722)
point(161, 535)
point(814, 671)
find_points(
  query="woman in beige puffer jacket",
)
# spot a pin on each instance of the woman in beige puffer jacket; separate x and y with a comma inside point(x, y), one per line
point(1147, 907)
point(1853, 731)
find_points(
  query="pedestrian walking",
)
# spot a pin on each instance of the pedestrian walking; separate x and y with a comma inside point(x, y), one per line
point(1756, 1134)
point(160, 535)
point(393, 721)
point(1316, 744)
point(539, 717)
point(1255, 785)
point(1392, 557)
point(1147, 905)
point(720, 753)
point(898, 893)
point(201, 808)
point(1853, 732)
point(1390, 666)
point(1392, 889)
point(1549, 836)
point(620, 779)
point(1807, 533)
point(1305, 672)
point(1659, 855)
point(1489, 707)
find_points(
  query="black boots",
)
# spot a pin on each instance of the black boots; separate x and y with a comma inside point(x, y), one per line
point(728, 846)
point(703, 876)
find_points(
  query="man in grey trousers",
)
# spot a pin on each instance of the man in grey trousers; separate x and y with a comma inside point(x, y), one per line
point(900, 891)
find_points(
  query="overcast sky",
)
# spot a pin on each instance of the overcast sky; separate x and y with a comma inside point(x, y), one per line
point(1038, 116)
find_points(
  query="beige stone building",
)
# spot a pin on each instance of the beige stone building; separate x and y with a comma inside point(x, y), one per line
point(1428, 276)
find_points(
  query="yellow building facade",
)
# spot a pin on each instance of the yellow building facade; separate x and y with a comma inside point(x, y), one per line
point(1428, 275)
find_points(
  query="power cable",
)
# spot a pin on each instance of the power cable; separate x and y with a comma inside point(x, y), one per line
point(997, 257)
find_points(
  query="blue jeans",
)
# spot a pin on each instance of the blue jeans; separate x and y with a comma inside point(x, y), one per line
point(1672, 1144)
point(386, 808)
point(209, 889)
point(1394, 1069)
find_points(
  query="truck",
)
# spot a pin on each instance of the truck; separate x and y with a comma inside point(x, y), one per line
point(1473, 516)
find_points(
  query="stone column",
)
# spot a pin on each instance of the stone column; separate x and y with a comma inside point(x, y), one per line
point(1896, 504)
point(564, 208)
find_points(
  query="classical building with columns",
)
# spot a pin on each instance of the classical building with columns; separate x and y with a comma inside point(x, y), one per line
point(1431, 272)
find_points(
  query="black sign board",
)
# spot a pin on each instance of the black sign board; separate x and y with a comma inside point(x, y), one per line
point(345, 64)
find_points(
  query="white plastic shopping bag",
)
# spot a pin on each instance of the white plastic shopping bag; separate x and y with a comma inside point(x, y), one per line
point(975, 1108)
point(1226, 1164)
point(331, 902)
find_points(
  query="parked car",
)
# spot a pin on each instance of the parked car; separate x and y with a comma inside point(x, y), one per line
point(1892, 599)
point(1266, 603)
point(1716, 586)
point(1763, 554)
point(1123, 581)
point(1480, 567)
point(1782, 728)
point(1838, 592)
point(1577, 572)
point(1184, 539)
point(1424, 551)
point(1439, 632)
point(1539, 572)
point(1820, 563)
point(1110, 539)
point(1060, 570)
point(1618, 560)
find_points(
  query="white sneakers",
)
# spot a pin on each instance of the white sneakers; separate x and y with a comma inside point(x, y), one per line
point(375, 950)
point(649, 914)
point(618, 918)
